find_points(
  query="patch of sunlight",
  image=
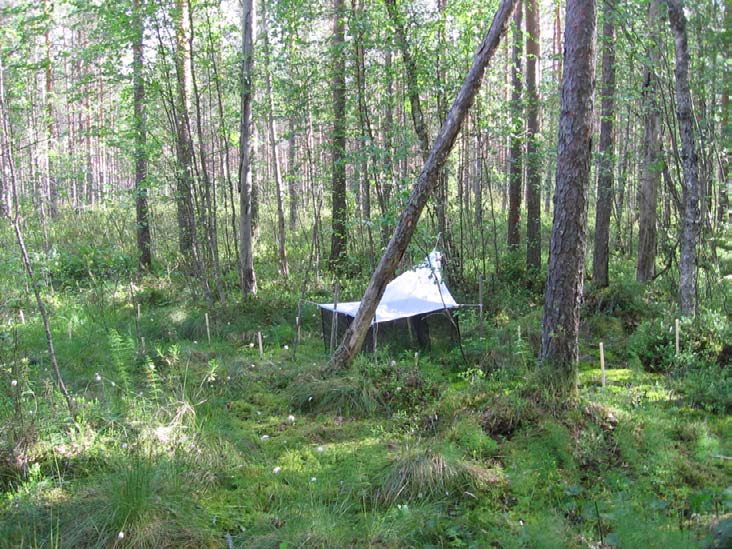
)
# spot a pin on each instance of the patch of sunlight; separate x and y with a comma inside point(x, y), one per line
point(618, 375)
point(178, 315)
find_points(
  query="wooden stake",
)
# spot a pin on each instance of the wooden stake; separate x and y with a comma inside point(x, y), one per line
point(208, 329)
point(22, 316)
point(678, 332)
point(602, 363)
point(259, 342)
point(139, 315)
point(519, 333)
point(416, 359)
point(142, 344)
point(334, 319)
point(480, 306)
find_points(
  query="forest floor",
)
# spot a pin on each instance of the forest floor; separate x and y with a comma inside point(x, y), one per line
point(182, 442)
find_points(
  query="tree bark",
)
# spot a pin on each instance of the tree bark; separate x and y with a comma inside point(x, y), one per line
point(533, 156)
point(651, 170)
point(425, 184)
point(690, 188)
point(600, 257)
point(247, 277)
point(281, 230)
point(140, 137)
point(560, 325)
point(339, 237)
point(517, 129)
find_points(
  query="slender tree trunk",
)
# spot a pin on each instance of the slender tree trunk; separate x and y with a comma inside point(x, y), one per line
point(690, 228)
point(600, 257)
point(184, 154)
point(425, 184)
point(560, 326)
point(247, 277)
point(651, 171)
point(141, 206)
point(533, 156)
point(339, 237)
point(517, 129)
point(292, 178)
point(281, 229)
point(724, 209)
point(51, 188)
point(6, 150)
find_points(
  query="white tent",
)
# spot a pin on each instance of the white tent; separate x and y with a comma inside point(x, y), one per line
point(412, 295)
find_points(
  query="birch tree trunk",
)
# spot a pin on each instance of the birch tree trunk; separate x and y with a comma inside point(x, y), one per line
point(560, 325)
point(425, 184)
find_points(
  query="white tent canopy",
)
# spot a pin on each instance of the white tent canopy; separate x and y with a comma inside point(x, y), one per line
point(417, 291)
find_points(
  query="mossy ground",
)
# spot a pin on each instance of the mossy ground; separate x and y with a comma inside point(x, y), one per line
point(187, 443)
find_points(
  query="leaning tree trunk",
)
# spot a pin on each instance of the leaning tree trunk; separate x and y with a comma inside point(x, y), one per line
point(140, 137)
point(600, 257)
point(651, 171)
point(247, 277)
point(426, 183)
point(517, 127)
point(560, 325)
point(690, 228)
point(339, 237)
point(533, 157)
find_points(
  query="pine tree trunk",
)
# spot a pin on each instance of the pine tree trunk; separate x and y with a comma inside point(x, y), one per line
point(339, 237)
point(247, 277)
point(690, 227)
point(565, 274)
point(651, 171)
point(533, 155)
point(424, 186)
point(141, 206)
point(517, 128)
point(600, 257)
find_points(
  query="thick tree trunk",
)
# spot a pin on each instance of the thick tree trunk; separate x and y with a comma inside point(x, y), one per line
point(339, 237)
point(690, 227)
point(281, 231)
point(651, 171)
point(533, 156)
point(247, 277)
point(426, 183)
point(600, 257)
point(517, 129)
point(569, 232)
point(141, 206)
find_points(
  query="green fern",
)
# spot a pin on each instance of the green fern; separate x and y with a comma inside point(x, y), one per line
point(122, 353)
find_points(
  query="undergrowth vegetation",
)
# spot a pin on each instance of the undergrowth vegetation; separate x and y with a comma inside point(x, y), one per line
point(184, 442)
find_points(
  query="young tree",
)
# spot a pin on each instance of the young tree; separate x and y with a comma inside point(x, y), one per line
point(600, 257)
point(424, 186)
point(140, 138)
point(652, 158)
point(533, 158)
point(560, 325)
point(517, 127)
point(247, 277)
point(690, 188)
point(339, 238)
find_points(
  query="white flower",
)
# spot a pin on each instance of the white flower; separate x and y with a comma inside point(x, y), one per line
point(291, 418)
point(398, 389)
point(124, 446)
point(259, 413)
point(97, 377)
point(195, 342)
point(319, 449)
point(264, 437)
point(251, 365)
point(121, 535)
point(14, 383)
point(276, 470)
point(251, 345)
point(392, 363)
point(113, 383)
point(313, 479)
point(310, 399)
point(151, 366)
point(285, 347)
